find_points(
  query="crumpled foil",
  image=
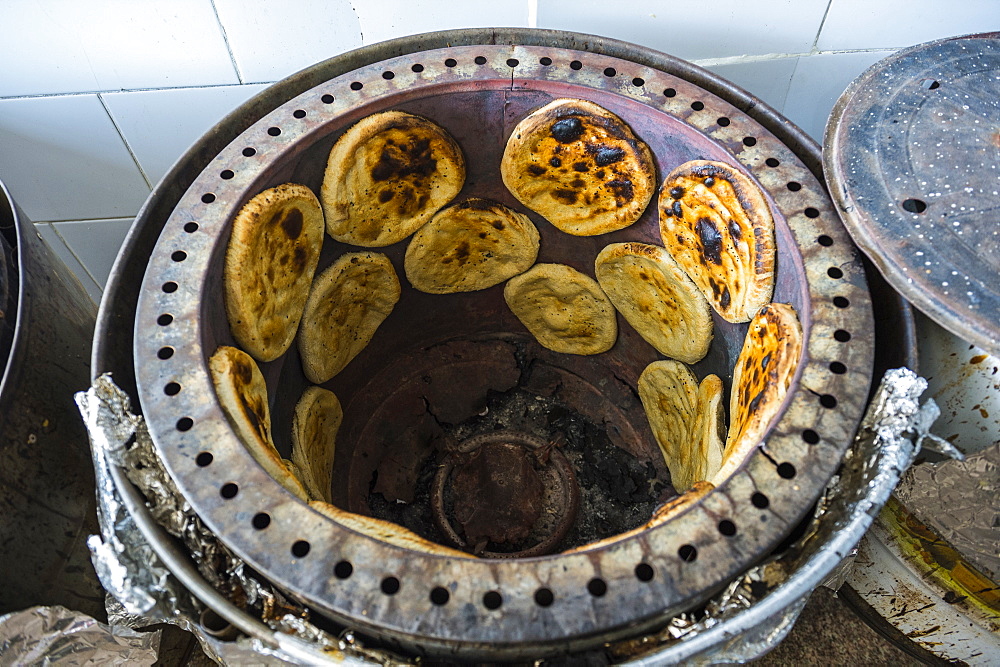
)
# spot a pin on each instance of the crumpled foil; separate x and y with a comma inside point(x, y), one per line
point(144, 591)
point(58, 636)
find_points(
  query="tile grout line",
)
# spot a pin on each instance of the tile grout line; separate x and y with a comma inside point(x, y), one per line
point(128, 147)
point(822, 23)
point(766, 57)
point(105, 219)
point(76, 257)
point(225, 39)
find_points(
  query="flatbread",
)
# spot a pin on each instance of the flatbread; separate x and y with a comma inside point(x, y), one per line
point(580, 166)
point(270, 261)
point(386, 176)
point(763, 372)
point(565, 310)
point(348, 302)
point(716, 223)
point(384, 530)
point(657, 298)
point(317, 419)
point(242, 395)
point(470, 246)
point(685, 419)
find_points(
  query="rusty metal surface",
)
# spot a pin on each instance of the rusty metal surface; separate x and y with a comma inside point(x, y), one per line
point(46, 481)
point(911, 160)
point(835, 374)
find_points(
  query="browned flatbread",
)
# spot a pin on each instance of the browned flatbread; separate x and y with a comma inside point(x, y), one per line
point(386, 176)
point(384, 530)
point(761, 377)
point(470, 246)
point(272, 254)
point(716, 223)
point(315, 424)
point(657, 298)
point(685, 418)
point(580, 166)
point(242, 395)
point(565, 310)
point(348, 302)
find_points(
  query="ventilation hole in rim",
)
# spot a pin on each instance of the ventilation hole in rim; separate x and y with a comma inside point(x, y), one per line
point(914, 205)
point(327, 99)
point(824, 240)
point(929, 84)
point(688, 553)
point(597, 587)
point(229, 490)
point(440, 596)
point(544, 597)
point(299, 113)
point(841, 301)
point(810, 436)
point(343, 570)
point(727, 527)
point(811, 212)
point(842, 336)
point(388, 74)
point(417, 67)
point(576, 64)
point(479, 60)
point(165, 352)
point(208, 197)
point(249, 152)
point(513, 62)
point(450, 62)
point(300, 549)
point(169, 287)
point(834, 273)
point(190, 227)
point(357, 85)
point(749, 141)
point(390, 585)
point(828, 401)
point(786, 470)
point(638, 82)
point(164, 319)
point(545, 61)
point(261, 520)
point(178, 256)
point(184, 424)
point(723, 122)
point(794, 186)
point(226, 174)
point(759, 500)
point(610, 71)
point(669, 92)
point(644, 572)
point(492, 600)
point(772, 162)
point(204, 459)
point(171, 389)
point(837, 368)
point(697, 106)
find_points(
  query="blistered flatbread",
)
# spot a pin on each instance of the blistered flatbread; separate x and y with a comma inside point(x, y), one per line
point(242, 395)
point(470, 246)
point(763, 372)
point(270, 261)
point(657, 298)
point(384, 530)
point(317, 419)
point(386, 176)
point(716, 223)
point(565, 310)
point(580, 166)
point(348, 302)
point(685, 419)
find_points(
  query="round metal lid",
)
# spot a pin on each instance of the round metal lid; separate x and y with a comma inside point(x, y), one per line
point(913, 162)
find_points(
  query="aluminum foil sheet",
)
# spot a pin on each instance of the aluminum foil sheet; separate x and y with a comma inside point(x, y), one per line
point(58, 636)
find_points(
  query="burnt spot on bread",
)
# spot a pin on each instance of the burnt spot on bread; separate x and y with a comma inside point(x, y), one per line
point(577, 183)
point(606, 155)
point(536, 170)
point(581, 166)
point(623, 190)
point(299, 258)
point(725, 300)
point(755, 402)
point(477, 204)
point(292, 222)
point(386, 196)
point(565, 195)
point(555, 162)
point(677, 210)
point(497, 225)
point(462, 252)
point(709, 182)
point(711, 240)
point(734, 230)
point(243, 371)
point(567, 130)
point(677, 192)
point(401, 161)
point(600, 173)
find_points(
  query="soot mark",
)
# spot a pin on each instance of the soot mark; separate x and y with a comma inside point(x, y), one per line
point(565, 196)
point(385, 196)
point(580, 166)
point(711, 240)
point(535, 170)
point(410, 159)
point(606, 155)
point(623, 189)
point(555, 162)
point(566, 130)
point(734, 230)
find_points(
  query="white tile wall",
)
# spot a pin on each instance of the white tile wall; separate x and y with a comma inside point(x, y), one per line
point(160, 125)
point(280, 37)
point(95, 243)
point(386, 19)
point(62, 251)
point(767, 79)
